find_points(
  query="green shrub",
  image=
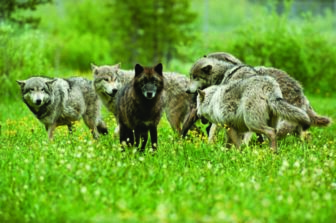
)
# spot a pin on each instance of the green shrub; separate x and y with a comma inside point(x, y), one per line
point(22, 54)
point(76, 51)
point(298, 47)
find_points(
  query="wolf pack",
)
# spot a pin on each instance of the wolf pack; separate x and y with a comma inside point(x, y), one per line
point(222, 92)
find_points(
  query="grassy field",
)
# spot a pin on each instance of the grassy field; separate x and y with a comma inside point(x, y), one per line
point(77, 179)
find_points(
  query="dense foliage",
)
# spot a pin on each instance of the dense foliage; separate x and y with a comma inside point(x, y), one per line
point(8, 9)
point(300, 48)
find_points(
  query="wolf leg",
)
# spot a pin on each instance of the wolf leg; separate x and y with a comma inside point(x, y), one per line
point(270, 134)
point(154, 137)
point(189, 122)
point(234, 137)
point(50, 129)
point(285, 128)
point(177, 111)
point(247, 137)
point(174, 121)
point(126, 137)
point(212, 133)
point(91, 123)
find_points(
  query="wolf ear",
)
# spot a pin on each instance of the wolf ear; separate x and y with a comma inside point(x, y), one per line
point(201, 94)
point(21, 83)
point(207, 69)
point(94, 69)
point(118, 65)
point(158, 68)
point(93, 66)
point(49, 83)
point(138, 69)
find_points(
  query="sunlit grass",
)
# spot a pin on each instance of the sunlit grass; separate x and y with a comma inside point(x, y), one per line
point(77, 179)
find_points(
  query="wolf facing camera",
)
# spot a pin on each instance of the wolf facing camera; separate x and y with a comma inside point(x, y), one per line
point(57, 101)
point(140, 105)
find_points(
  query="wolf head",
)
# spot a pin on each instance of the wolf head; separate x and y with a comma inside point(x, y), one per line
point(106, 79)
point(36, 91)
point(209, 70)
point(200, 75)
point(148, 80)
point(203, 103)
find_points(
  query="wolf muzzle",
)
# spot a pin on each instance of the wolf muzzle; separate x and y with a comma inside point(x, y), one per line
point(149, 90)
point(193, 87)
point(112, 93)
point(35, 99)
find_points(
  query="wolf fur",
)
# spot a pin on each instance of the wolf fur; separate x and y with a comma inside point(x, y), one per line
point(57, 101)
point(108, 79)
point(252, 104)
point(220, 68)
point(140, 105)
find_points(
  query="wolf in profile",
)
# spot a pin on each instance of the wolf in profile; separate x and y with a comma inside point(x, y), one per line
point(140, 105)
point(253, 104)
point(57, 101)
point(108, 79)
point(221, 68)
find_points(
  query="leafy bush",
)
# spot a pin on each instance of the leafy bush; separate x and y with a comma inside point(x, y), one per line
point(76, 51)
point(22, 54)
point(299, 48)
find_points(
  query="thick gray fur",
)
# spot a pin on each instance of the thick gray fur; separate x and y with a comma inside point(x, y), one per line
point(251, 104)
point(57, 101)
point(221, 68)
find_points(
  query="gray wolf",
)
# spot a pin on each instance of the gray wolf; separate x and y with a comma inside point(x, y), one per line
point(219, 68)
point(252, 104)
point(108, 79)
point(57, 101)
point(140, 106)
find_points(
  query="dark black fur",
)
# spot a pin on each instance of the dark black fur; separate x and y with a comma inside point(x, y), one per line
point(139, 110)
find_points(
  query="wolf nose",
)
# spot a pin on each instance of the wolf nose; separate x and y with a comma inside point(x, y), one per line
point(38, 102)
point(114, 91)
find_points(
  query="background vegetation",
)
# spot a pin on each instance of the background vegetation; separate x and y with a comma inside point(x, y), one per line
point(72, 34)
point(76, 179)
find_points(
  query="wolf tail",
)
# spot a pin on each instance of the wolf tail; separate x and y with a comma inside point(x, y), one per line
point(290, 112)
point(317, 120)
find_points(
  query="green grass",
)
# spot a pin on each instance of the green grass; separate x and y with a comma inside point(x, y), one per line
point(77, 179)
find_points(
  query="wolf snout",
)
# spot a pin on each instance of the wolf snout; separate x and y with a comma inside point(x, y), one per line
point(192, 90)
point(38, 102)
point(113, 92)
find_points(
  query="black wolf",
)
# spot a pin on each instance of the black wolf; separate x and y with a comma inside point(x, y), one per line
point(140, 105)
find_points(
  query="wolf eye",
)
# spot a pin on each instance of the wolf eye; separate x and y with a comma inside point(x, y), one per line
point(105, 79)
